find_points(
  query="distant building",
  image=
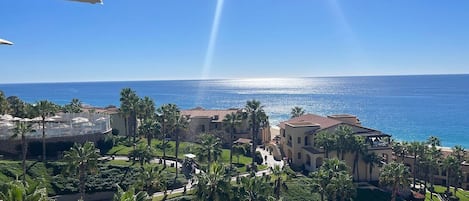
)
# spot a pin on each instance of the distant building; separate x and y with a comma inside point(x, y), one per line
point(298, 146)
point(211, 121)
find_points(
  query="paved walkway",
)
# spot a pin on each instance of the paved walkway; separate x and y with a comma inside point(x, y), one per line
point(270, 162)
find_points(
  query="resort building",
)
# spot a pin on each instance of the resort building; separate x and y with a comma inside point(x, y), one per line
point(211, 121)
point(297, 143)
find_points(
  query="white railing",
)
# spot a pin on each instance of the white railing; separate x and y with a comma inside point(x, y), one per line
point(67, 124)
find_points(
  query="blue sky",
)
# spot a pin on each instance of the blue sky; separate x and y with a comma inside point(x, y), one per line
point(60, 41)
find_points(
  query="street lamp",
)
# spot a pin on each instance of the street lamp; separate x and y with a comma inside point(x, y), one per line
point(5, 42)
point(90, 1)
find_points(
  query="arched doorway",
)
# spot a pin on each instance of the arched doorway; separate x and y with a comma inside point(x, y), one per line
point(319, 161)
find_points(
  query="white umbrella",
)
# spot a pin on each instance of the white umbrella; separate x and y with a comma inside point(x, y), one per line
point(101, 119)
point(90, 1)
point(5, 42)
point(78, 120)
point(6, 117)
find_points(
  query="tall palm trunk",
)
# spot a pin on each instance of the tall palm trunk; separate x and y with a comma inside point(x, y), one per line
point(231, 149)
point(164, 144)
point(355, 166)
point(82, 178)
point(44, 139)
point(414, 172)
point(24, 152)
point(177, 151)
point(447, 180)
point(326, 153)
point(254, 136)
point(134, 126)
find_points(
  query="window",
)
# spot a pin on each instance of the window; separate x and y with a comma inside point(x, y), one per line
point(299, 155)
point(306, 140)
point(299, 140)
point(203, 128)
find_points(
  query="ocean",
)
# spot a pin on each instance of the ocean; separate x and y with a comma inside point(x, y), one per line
point(407, 107)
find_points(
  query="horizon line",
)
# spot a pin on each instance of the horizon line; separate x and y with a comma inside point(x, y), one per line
point(220, 78)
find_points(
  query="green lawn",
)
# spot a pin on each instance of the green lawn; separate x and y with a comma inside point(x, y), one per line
point(131, 164)
point(461, 194)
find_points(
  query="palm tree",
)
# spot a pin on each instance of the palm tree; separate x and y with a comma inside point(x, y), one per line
point(80, 160)
point(414, 149)
point(325, 140)
point(213, 185)
point(180, 126)
point(153, 178)
point(279, 175)
point(254, 189)
point(21, 129)
point(167, 116)
point(142, 153)
point(238, 150)
point(3, 104)
point(320, 180)
point(129, 106)
point(130, 195)
point(16, 107)
point(231, 121)
point(45, 109)
point(256, 114)
point(460, 154)
point(343, 135)
point(371, 159)
point(342, 186)
point(433, 160)
point(400, 149)
point(297, 111)
point(434, 141)
point(145, 108)
point(210, 148)
point(357, 146)
point(451, 165)
point(149, 128)
point(394, 175)
point(73, 107)
point(20, 191)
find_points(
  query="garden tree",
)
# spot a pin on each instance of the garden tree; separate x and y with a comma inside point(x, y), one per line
point(20, 191)
point(16, 107)
point(415, 148)
point(209, 149)
point(180, 125)
point(45, 109)
point(73, 107)
point(357, 147)
point(460, 154)
point(453, 169)
point(325, 140)
point(128, 108)
point(254, 189)
point(394, 175)
point(167, 116)
point(279, 175)
point(433, 158)
point(81, 159)
point(21, 129)
point(130, 195)
point(145, 108)
point(153, 178)
point(343, 134)
point(370, 159)
point(296, 112)
point(433, 141)
point(231, 122)
point(342, 186)
point(213, 184)
point(3, 104)
point(322, 178)
point(142, 153)
point(149, 128)
point(256, 118)
point(238, 150)
point(400, 149)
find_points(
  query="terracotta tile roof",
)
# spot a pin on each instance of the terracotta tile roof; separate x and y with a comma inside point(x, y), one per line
point(323, 122)
point(200, 112)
